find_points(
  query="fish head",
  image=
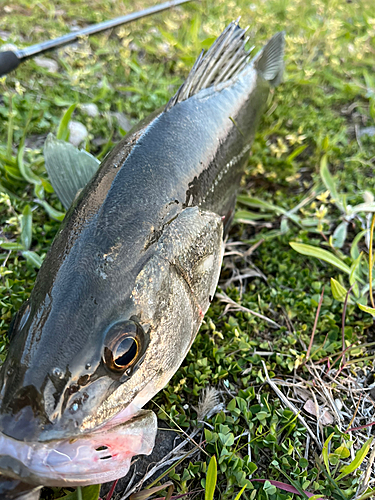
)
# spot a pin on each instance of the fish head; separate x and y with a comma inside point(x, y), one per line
point(79, 371)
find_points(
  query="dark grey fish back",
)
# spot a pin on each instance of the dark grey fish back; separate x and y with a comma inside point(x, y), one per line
point(184, 155)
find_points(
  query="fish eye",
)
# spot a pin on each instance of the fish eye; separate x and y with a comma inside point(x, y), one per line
point(125, 352)
point(124, 346)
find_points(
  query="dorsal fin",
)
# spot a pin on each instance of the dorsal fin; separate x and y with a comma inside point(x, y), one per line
point(224, 60)
point(269, 60)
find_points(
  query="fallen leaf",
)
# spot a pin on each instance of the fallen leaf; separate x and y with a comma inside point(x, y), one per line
point(324, 416)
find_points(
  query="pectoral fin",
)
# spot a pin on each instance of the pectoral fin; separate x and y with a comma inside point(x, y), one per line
point(69, 169)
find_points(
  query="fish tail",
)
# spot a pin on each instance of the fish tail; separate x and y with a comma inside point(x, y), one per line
point(269, 60)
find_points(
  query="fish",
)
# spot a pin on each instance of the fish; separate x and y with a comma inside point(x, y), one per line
point(132, 271)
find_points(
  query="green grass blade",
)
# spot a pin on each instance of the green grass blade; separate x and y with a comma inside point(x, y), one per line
point(319, 253)
point(147, 492)
point(26, 227)
point(10, 128)
point(10, 245)
point(369, 310)
point(329, 182)
point(211, 479)
point(325, 452)
point(296, 152)
point(33, 258)
point(63, 130)
point(354, 252)
point(295, 484)
point(84, 493)
point(340, 495)
point(353, 270)
point(52, 212)
point(359, 457)
point(24, 169)
point(240, 493)
point(245, 216)
point(250, 201)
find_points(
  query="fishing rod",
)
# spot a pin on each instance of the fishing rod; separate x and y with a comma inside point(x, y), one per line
point(10, 60)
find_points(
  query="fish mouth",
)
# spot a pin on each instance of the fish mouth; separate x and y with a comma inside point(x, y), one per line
point(100, 456)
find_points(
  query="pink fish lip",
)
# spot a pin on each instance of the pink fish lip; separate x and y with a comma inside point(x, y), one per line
point(101, 455)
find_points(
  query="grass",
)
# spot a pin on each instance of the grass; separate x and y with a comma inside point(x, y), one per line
point(310, 164)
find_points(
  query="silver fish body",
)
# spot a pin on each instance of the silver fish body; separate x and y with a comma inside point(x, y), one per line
point(125, 286)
